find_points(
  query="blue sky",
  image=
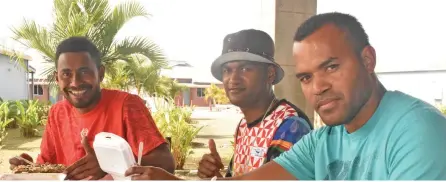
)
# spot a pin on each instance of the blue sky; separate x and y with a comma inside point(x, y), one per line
point(407, 35)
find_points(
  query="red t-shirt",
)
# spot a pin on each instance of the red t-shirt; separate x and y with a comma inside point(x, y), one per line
point(117, 112)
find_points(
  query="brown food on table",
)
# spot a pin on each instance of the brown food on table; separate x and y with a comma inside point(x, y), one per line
point(40, 168)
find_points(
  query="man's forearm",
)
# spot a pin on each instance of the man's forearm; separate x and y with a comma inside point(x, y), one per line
point(164, 161)
point(269, 171)
point(160, 157)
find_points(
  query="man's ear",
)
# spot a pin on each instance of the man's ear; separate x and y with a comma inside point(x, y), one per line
point(101, 73)
point(271, 71)
point(368, 56)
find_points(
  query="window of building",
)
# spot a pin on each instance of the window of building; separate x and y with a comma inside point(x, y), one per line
point(200, 92)
point(38, 90)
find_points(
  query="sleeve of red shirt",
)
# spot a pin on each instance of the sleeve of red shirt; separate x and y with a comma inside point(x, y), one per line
point(47, 149)
point(140, 126)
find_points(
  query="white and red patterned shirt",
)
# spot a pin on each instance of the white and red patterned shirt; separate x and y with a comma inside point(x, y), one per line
point(260, 141)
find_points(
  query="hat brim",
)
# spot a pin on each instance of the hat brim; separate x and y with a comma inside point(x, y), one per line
point(216, 67)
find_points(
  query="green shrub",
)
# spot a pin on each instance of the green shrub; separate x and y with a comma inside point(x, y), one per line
point(4, 120)
point(12, 114)
point(28, 118)
point(41, 107)
point(174, 121)
point(443, 109)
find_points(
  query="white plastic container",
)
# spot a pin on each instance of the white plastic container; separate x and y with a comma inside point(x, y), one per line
point(114, 154)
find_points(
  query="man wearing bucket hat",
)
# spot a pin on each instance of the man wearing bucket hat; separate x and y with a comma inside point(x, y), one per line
point(270, 126)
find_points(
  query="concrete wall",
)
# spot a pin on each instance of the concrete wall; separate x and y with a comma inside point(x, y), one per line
point(429, 86)
point(289, 14)
point(13, 80)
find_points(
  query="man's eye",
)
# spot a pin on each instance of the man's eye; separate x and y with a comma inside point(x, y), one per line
point(332, 67)
point(304, 79)
point(246, 69)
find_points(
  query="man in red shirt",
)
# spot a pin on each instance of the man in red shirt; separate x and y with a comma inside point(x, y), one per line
point(87, 106)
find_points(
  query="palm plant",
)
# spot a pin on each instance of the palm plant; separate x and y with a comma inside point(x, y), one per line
point(28, 117)
point(4, 120)
point(174, 88)
point(98, 21)
point(221, 97)
point(174, 121)
point(16, 57)
point(211, 93)
point(216, 95)
point(143, 76)
point(13, 111)
point(119, 80)
point(165, 87)
point(146, 78)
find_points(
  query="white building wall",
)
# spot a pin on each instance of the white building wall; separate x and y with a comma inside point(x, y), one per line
point(13, 80)
point(429, 86)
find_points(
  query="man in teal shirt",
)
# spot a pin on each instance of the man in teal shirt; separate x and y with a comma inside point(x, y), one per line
point(371, 133)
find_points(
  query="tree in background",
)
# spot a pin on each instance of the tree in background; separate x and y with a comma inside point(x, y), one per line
point(221, 97)
point(173, 88)
point(119, 80)
point(140, 74)
point(216, 95)
point(98, 21)
point(211, 93)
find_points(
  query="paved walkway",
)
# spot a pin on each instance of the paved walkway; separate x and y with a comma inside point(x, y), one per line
point(219, 126)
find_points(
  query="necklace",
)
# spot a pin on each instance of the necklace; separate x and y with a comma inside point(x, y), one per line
point(264, 115)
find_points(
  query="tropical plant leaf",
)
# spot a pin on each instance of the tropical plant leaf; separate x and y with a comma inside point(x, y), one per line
point(138, 45)
point(17, 58)
point(101, 23)
point(32, 35)
point(114, 21)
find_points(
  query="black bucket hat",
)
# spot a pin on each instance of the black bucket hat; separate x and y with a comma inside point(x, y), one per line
point(247, 45)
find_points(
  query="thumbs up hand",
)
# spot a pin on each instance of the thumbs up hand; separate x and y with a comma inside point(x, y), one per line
point(210, 163)
point(87, 166)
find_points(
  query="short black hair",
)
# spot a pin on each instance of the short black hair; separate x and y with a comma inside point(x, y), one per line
point(79, 44)
point(347, 23)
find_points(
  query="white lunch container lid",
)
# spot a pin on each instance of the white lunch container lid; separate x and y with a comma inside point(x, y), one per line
point(114, 154)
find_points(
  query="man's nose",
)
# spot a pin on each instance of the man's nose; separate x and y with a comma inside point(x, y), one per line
point(76, 80)
point(320, 85)
point(235, 77)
